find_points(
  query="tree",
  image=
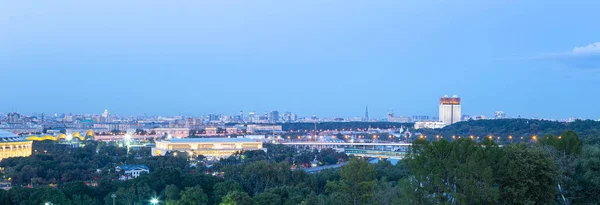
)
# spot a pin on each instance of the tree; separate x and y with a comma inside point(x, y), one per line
point(392, 172)
point(266, 198)
point(236, 198)
point(46, 194)
point(529, 177)
point(290, 195)
point(171, 192)
point(311, 199)
point(193, 195)
point(461, 171)
point(4, 198)
point(222, 188)
point(588, 176)
point(336, 198)
point(19, 195)
point(567, 143)
point(76, 188)
point(258, 176)
point(84, 200)
point(126, 195)
point(357, 180)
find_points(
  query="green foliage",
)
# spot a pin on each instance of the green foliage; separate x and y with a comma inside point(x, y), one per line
point(258, 176)
point(588, 176)
point(4, 197)
point(38, 196)
point(84, 200)
point(266, 198)
point(568, 142)
point(441, 172)
point(236, 198)
point(290, 195)
point(588, 130)
point(222, 188)
point(193, 195)
point(357, 180)
point(464, 172)
point(172, 192)
point(392, 172)
point(529, 177)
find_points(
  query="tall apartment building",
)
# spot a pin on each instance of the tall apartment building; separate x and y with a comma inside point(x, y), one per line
point(450, 109)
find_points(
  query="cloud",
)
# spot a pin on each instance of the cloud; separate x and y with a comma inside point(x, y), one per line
point(593, 49)
point(587, 57)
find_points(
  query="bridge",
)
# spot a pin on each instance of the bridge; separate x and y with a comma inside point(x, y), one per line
point(375, 153)
point(395, 150)
point(346, 144)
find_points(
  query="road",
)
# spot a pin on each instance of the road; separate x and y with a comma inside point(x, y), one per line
point(321, 168)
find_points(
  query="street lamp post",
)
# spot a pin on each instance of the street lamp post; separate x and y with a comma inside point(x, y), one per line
point(154, 201)
point(113, 196)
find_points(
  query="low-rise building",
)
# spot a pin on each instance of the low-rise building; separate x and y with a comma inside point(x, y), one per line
point(429, 125)
point(212, 148)
point(132, 171)
point(264, 128)
point(173, 132)
point(211, 130)
point(231, 130)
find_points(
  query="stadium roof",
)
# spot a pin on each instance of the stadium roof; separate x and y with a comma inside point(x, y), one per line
point(6, 136)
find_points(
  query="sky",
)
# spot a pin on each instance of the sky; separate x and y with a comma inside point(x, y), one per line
point(326, 58)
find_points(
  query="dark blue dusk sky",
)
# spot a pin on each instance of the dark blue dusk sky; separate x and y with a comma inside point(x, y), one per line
point(329, 58)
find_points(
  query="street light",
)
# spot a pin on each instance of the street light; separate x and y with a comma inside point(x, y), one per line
point(113, 196)
point(154, 201)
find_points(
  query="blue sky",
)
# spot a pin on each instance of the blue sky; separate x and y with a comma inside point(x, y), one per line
point(328, 57)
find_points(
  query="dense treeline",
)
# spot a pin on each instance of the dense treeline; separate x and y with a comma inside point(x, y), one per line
point(588, 130)
point(555, 170)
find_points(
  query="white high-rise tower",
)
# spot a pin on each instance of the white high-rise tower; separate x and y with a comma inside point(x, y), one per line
point(450, 109)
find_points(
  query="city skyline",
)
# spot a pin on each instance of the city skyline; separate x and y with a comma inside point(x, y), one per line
point(313, 102)
point(498, 114)
point(325, 59)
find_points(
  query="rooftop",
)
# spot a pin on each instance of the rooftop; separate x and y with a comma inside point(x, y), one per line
point(133, 167)
point(6, 136)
